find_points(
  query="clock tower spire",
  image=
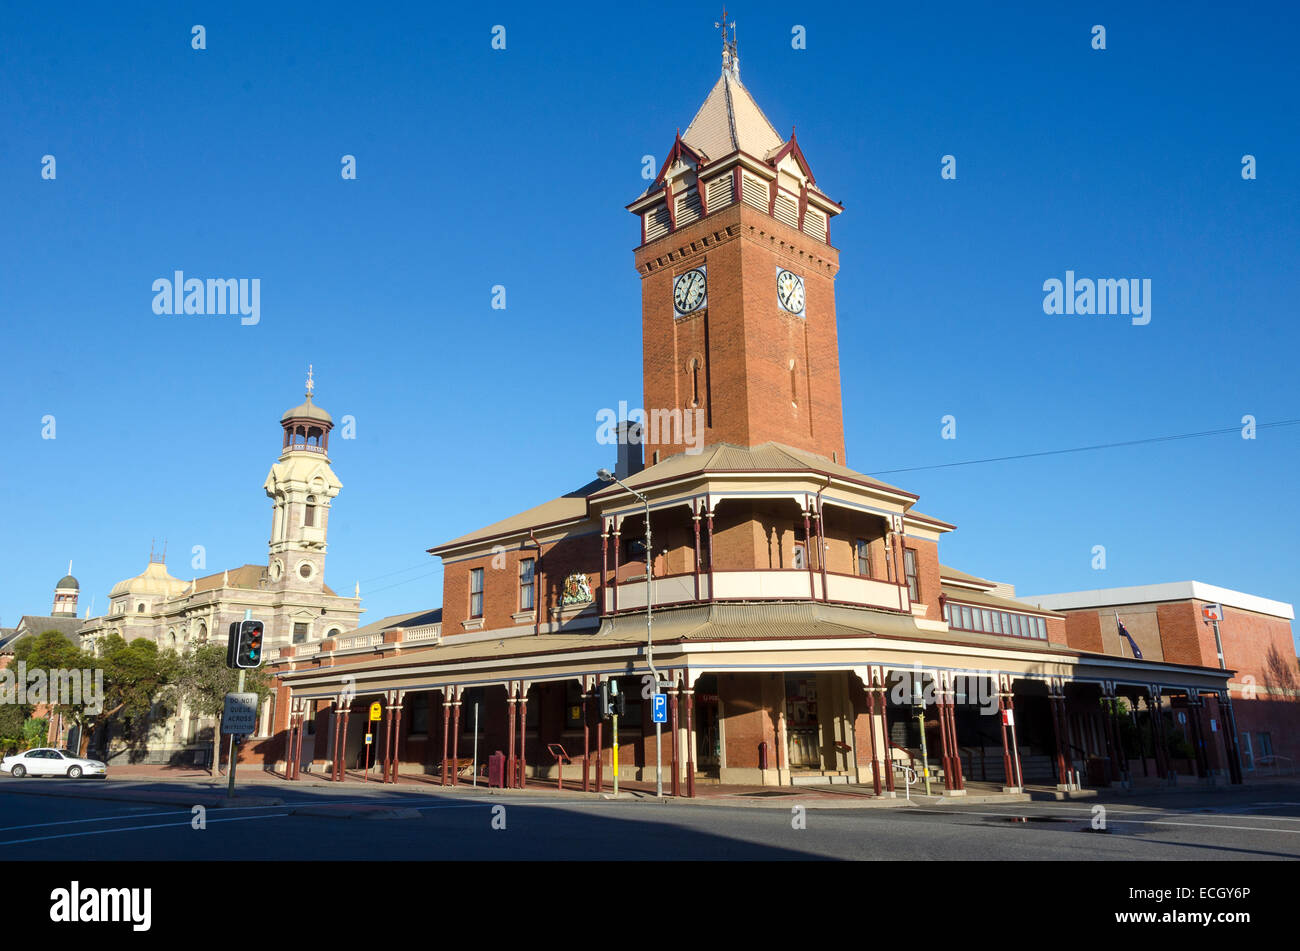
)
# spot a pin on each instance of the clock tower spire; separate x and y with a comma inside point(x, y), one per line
point(738, 285)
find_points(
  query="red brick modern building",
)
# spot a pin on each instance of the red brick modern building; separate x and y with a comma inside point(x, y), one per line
point(1190, 622)
point(797, 603)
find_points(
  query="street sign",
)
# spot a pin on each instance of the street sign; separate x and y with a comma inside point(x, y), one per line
point(240, 715)
point(660, 708)
point(1212, 612)
point(376, 711)
point(1009, 718)
point(370, 738)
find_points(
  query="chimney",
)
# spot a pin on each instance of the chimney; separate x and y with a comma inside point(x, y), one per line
point(630, 459)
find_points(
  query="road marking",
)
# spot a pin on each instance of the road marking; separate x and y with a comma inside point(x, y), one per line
point(164, 825)
point(1111, 821)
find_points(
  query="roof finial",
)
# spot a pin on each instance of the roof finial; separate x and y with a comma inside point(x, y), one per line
point(310, 385)
point(730, 58)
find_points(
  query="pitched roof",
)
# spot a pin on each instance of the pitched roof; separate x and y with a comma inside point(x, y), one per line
point(252, 577)
point(572, 506)
point(767, 457)
point(953, 574)
point(700, 623)
point(719, 457)
point(397, 621)
point(731, 120)
point(32, 624)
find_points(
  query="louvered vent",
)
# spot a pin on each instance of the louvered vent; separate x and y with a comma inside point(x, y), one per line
point(754, 192)
point(814, 223)
point(722, 192)
point(688, 207)
point(656, 222)
point(786, 209)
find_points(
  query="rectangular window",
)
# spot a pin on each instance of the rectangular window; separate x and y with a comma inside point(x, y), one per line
point(799, 556)
point(1042, 629)
point(909, 567)
point(1006, 623)
point(947, 612)
point(1264, 744)
point(864, 558)
point(300, 633)
point(997, 622)
point(476, 592)
point(309, 519)
point(965, 618)
point(527, 584)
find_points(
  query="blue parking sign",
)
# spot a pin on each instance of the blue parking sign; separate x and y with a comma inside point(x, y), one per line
point(661, 708)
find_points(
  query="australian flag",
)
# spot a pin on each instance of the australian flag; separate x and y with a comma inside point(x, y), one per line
point(1132, 643)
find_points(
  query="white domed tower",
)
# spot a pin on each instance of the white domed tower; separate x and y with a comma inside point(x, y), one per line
point(65, 596)
point(301, 487)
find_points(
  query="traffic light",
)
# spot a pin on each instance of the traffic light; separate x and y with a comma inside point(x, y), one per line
point(612, 703)
point(244, 647)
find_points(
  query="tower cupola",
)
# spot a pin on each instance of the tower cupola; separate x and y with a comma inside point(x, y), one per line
point(65, 596)
point(307, 426)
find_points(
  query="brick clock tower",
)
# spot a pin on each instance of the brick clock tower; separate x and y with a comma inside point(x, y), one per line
point(738, 283)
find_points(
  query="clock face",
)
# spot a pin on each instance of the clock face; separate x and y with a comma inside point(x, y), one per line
point(688, 291)
point(789, 291)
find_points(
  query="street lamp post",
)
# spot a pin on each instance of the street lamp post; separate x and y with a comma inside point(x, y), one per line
point(606, 476)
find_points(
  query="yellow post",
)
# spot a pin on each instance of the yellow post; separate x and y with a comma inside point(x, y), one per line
point(616, 754)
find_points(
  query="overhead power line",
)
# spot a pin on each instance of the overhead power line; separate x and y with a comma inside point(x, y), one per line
point(1106, 445)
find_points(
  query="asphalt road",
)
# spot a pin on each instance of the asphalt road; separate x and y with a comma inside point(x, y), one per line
point(332, 824)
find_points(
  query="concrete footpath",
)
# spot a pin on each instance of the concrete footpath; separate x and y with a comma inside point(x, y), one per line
point(189, 787)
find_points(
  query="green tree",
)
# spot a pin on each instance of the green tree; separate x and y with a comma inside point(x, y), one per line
point(12, 718)
point(35, 732)
point(201, 681)
point(134, 676)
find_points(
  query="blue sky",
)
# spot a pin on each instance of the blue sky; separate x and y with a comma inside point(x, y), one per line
point(479, 167)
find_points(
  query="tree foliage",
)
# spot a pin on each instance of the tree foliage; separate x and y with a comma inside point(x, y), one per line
point(133, 675)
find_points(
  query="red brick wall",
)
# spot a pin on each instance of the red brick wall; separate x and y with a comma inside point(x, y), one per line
point(1181, 635)
point(577, 553)
point(744, 338)
point(748, 704)
point(1083, 631)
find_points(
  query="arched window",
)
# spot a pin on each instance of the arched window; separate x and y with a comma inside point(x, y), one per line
point(139, 608)
point(309, 519)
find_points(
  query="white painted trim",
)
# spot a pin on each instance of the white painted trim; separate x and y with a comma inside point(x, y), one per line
point(1170, 591)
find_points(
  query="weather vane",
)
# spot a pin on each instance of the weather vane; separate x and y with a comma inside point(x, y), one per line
point(310, 385)
point(730, 58)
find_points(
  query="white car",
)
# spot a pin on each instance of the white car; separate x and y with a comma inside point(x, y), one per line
point(51, 762)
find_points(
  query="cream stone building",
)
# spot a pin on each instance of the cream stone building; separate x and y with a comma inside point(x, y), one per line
point(288, 592)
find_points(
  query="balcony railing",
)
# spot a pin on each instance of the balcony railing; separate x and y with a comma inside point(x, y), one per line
point(796, 584)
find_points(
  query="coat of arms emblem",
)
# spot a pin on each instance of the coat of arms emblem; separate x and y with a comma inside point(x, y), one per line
point(576, 590)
